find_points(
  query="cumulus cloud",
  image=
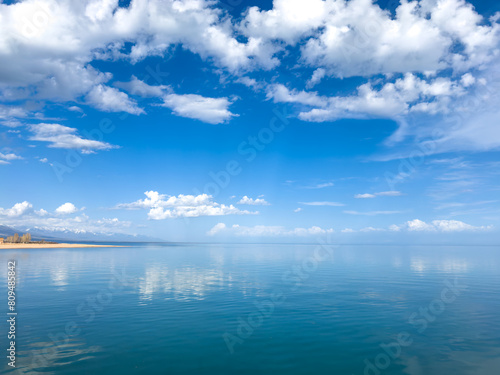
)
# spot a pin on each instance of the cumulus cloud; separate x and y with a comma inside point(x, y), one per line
point(253, 202)
point(209, 110)
point(66, 209)
point(22, 215)
point(66, 37)
point(19, 209)
point(60, 136)
point(266, 231)
point(428, 57)
point(409, 94)
point(109, 99)
point(440, 226)
point(358, 38)
point(6, 158)
point(42, 212)
point(78, 224)
point(162, 207)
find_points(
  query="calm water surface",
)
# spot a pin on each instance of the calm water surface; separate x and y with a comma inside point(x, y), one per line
point(256, 309)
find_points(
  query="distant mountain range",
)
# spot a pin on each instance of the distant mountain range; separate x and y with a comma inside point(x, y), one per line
point(68, 235)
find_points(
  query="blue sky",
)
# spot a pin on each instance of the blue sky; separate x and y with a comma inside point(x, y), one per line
point(197, 120)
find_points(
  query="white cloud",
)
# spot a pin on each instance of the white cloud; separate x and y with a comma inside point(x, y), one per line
point(249, 82)
point(266, 231)
point(409, 94)
point(75, 108)
point(6, 158)
point(372, 213)
point(44, 160)
point(253, 202)
point(297, 209)
point(348, 230)
point(19, 209)
point(141, 88)
point(60, 136)
point(109, 99)
point(219, 227)
point(436, 226)
point(392, 193)
point(358, 38)
point(316, 77)
point(162, 207)
point(371, 229)
point(442, 226)
point(66, 209)
point(48, 47)
point(22, 215)
point(380, 194)
point(209, 110)
point(159, 213)
point(332, 204)
point(78, 224)
point(55, 41)
point(364, 196)
point(394, 228)
point(41, 212)
point(320, 186)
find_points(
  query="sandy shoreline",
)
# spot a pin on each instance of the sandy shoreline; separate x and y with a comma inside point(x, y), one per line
point(47, 245)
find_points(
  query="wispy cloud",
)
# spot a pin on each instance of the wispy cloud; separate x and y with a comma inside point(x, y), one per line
point(332, 204)
point(373, 213)
point(266, 231)
point(319, 186)
point(59, 136)
point(380, 194)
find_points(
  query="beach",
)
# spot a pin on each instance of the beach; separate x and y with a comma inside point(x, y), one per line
point(47, 245)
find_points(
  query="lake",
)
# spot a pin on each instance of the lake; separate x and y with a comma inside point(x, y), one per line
point(255, 309)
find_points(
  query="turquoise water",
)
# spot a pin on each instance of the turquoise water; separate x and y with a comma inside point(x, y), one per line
point(256, 309)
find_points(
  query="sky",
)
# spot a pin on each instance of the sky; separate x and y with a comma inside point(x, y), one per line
point(233, 120)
